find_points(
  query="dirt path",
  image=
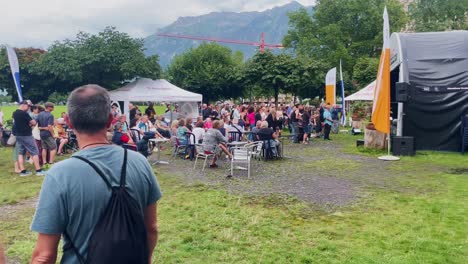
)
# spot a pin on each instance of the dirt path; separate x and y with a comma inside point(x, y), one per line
point(8, 212)
point(319, 173)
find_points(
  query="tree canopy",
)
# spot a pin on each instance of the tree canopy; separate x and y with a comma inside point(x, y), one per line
point(109, 58)
point(209, 69)
point(275, 73)
point(439, 15)
point(342, 29)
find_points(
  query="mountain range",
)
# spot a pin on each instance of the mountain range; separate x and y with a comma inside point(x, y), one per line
point(243, 26)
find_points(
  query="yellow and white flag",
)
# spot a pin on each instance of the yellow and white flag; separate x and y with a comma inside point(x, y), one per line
point(381, 107)
point(330, 87)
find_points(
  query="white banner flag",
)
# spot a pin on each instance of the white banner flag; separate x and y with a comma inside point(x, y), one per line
point(330, 87)
point(14, 65)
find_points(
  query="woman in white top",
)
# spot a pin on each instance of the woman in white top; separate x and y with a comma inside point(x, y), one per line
point(199, 132)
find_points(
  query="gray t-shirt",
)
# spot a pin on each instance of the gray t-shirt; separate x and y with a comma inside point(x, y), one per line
point(73, 196)
point(212, 138)
point(45, 119)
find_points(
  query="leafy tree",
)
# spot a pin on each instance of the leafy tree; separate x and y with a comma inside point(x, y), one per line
point(365, 71)
point(439, 15)
point(109, 59)
point(58, 98)
point(342, 29)
point(269, 72)
point(209, 69)
point(272, 74)
point(307, 79)
point(31, 83)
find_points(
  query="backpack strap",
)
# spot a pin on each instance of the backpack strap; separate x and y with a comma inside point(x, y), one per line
point(99, 172)
point(123, 177)
point(75, 250)
point(123, 173)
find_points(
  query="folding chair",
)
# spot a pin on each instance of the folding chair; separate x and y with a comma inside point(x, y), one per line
point(190, 148)
point(241, 155)
point(255, 149)
point(201, 153)
point(235, 136)
point(179, 149)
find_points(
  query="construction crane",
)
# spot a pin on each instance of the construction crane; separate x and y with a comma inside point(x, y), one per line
point(262, 45)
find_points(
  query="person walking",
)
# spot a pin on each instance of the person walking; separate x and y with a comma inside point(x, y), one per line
point(22, 129)
point(45, 121)
point(74, 195)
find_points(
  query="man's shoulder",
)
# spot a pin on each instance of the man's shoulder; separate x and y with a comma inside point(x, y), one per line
point(136, 157)
point(58, 171)
point(18, 112)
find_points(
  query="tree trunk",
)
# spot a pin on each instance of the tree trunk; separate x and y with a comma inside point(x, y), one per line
point(276, 96)
point(374, 139)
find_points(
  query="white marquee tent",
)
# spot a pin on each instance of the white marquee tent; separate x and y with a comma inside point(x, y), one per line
point(365, 94)
point(148, 90)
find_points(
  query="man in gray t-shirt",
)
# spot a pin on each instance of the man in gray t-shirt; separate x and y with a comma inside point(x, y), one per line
point(73, 196)
point(45, 121)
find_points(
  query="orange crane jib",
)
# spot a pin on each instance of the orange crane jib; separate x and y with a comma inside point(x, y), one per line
point(260, 44)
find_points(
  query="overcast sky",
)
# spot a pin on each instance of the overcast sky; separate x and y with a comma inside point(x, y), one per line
point(35, 23)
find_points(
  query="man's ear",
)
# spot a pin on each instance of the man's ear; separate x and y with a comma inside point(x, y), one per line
point(109, 121)
point(67, 121)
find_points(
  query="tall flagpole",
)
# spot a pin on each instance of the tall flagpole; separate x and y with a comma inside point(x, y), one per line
point(381, 106)
point(343, 108)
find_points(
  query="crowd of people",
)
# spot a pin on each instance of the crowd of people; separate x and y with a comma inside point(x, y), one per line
point(39, 137)
point(218, 124)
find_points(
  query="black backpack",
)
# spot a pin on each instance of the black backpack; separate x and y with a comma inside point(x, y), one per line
point(120, 234)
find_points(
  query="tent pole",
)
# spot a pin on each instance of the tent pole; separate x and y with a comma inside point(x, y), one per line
point(172, 107)
point(388, 144)
point(400, 120)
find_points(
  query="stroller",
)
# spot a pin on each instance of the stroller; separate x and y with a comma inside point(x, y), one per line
point(72, 145)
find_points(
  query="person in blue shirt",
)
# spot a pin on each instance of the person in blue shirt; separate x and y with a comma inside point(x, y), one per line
point(328, 122)
point(73, 196)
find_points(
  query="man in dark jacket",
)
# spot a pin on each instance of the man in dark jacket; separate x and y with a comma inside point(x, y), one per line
point(22, 129)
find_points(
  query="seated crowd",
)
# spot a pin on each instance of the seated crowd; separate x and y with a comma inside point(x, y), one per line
point(220, 124)
point(214, 131)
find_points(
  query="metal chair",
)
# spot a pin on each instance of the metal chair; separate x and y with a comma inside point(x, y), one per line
point(255, 149)
point(135, 133)
point(267, 149)
point(201, 153)
point(235, 136)
point(179, 149)
point(241, 155)
point(190, 147)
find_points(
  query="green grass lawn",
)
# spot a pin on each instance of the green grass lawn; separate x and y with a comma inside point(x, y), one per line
point(423, 223)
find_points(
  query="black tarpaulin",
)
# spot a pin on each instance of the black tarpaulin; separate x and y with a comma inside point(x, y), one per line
point(435, 65)
point(435, 59)
point(434, 119)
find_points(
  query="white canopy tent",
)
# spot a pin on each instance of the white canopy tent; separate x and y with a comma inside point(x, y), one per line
point(365, 94)
point(148, 90)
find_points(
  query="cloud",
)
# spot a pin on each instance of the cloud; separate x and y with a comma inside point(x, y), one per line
point(39, 23)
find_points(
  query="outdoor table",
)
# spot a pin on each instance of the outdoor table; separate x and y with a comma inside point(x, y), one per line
point(158, 142)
